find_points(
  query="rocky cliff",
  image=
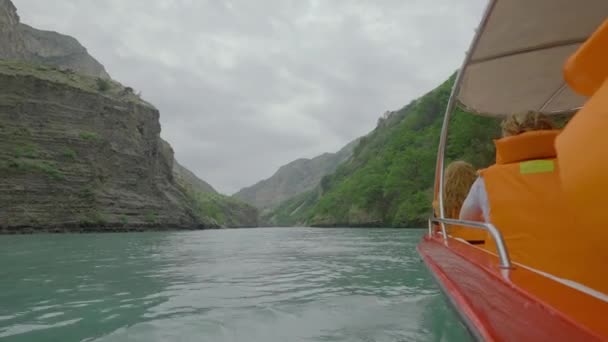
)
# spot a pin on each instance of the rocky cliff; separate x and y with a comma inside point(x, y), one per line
point(81, 152)
point(75, 153)
point(22, 42)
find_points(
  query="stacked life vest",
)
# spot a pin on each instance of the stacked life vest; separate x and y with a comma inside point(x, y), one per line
point(527, 203)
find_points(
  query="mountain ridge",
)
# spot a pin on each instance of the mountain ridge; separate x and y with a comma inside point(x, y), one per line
point(187, 176)
point(23, 42)
point(293, 178)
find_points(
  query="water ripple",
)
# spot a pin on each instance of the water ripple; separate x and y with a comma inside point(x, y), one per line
point(232, 285)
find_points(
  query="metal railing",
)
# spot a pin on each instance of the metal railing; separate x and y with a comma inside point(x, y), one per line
point(501, 247)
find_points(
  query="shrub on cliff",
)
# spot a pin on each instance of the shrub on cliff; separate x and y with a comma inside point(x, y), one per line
point(88, 136)
point(103, 85)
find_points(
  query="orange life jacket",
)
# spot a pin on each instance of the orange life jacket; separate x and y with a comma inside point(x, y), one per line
point(583, 154)
point(527, 204)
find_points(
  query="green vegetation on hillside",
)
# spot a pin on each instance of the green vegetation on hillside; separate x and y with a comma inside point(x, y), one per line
point(89, 136)
point(103, 84)
point(27, 165)
point(223, 210)
point(389, 179)
point(208, 205)
point(294, 211)
point(26, 158)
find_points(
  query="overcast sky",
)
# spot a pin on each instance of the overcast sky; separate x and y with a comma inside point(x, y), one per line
point(245, 86)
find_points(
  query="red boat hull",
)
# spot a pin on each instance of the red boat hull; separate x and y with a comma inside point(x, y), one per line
point(511, 305)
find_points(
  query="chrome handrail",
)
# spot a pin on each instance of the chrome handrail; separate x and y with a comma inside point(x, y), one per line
point(501, 247)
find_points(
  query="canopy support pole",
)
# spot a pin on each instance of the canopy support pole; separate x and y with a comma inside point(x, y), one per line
point(440, 170)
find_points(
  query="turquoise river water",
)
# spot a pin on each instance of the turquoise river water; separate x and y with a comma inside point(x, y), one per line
point(264, 284)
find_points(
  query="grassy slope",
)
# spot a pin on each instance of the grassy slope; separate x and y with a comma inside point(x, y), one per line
point(388, 182)
point(294, 211)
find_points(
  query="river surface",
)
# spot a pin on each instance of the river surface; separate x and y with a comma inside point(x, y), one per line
point(265, 284)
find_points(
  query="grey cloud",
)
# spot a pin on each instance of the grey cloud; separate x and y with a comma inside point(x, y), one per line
point(246, 86)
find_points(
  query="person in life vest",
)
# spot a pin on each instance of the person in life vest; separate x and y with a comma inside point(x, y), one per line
point(522, 196)
point(476, 206)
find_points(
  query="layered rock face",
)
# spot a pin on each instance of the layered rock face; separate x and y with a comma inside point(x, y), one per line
point(74, 156)
point(22, 42)
point(80, 152)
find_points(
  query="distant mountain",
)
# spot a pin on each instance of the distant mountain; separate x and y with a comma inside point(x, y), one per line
point(22, 42)
point(299, 176)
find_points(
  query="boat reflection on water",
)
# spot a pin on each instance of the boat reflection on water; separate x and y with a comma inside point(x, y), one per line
point(439, 322)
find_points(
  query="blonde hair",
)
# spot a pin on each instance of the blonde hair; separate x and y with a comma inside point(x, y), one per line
point(459, 176)
point(525, 122)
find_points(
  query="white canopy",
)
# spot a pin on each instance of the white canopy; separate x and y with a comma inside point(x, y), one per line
point(515, 62)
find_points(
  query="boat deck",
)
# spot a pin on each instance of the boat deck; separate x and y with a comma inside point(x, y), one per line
point(517, 304)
